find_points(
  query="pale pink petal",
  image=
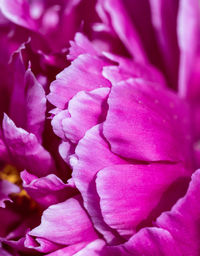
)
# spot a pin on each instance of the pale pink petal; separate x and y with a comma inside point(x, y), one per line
point(25, 150)
point(65, 223)
point(183, 220)
point(129, 193)
point(152, 125)
point(83, 74)
point(93, 249)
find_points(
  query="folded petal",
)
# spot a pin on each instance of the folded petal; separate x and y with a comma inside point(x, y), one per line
point(129, 193)
point(25, 150)
point(47, 190)
point(65, 223)
point(183, 219)
point(86, 109)
point(153, 125)
point(87, 162)
point(83, 74)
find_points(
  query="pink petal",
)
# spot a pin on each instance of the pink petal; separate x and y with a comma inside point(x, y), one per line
point(65, 223)
point(129, 193)
point(25, 150)
point(92, 249)
point(88, 161)
point(124, 27)
point(188, 40)
point(164, 18)
point(83, 74)
point(90, 105)
point(148, 241)
point(153, 125)
point(47, 190)
point(183, 220)
point(28, 97)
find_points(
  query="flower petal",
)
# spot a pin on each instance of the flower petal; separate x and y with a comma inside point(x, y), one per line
point(83, 74)
point(148, 127)
point(65, 223)
point(130, 193)
point(25, 150)
point(183, 220)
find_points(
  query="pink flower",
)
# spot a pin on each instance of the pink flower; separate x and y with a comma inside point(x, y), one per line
point(125, 122)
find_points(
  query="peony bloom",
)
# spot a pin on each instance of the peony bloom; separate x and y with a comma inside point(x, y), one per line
point(116, 170)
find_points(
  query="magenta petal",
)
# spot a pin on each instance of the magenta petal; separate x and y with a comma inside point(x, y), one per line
point(128, 193)
point(148, 127)
point(47, 190)
point(88, 161)
point(183, 220)
point(65, 223)
point(92, 105)
point(79, 46)
point(124, 28)
point(6, 188)
point(92, 249)
point(25, 150)
point(40, 244)
point(164, 18)
point(28, 97)
point(148, 241)
point(83, 74)
point(188, 39)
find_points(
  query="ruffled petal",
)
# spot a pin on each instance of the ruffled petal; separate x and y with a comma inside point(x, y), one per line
point(47, 190)
point(7, 188)
point(25, 150)
point(92, 105)
point(88, 161)
point(84, 74)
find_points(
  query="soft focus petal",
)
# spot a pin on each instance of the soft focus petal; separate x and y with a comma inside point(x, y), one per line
point(17, 11)
point(188, 39)
point(25, 149)
point(6, 188)
point(164, 18)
